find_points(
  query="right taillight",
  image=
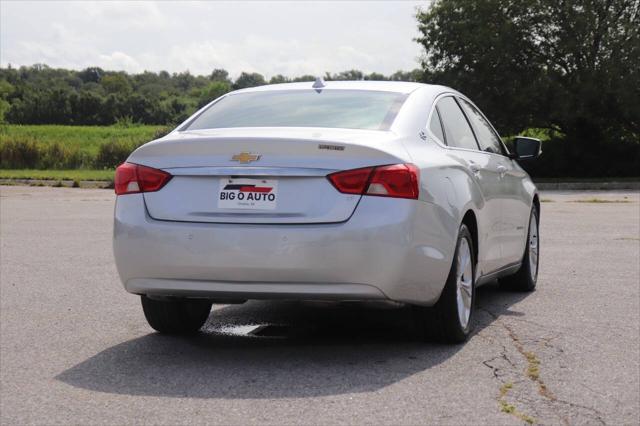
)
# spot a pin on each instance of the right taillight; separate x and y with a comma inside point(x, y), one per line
point(396, 180)
point(134, 178)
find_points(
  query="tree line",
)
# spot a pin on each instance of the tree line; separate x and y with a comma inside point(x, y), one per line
point(39, 94)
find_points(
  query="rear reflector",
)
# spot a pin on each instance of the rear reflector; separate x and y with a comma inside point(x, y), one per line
point(133, 178)
point(396, 180)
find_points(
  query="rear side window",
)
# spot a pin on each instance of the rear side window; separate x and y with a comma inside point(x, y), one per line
point(456, 126)
point(349, 109)
point(436, 126)
point(487, 137)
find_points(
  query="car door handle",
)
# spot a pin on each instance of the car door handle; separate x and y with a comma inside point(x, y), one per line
point(502, 170)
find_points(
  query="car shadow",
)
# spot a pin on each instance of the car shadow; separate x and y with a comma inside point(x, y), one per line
point(278, 350)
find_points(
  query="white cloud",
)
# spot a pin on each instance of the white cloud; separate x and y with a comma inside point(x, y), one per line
point(119, 61)
point(125, 14)
point(267, 37)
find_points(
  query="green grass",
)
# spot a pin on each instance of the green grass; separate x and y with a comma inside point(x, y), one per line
point(505, 407)
point(87, 139)
point(79, 174)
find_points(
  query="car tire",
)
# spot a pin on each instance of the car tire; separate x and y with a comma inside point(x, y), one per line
point(527, 276)
point(176, 316)
point(451, 318)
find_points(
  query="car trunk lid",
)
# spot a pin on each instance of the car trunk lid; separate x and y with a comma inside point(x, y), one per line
point(262, 176)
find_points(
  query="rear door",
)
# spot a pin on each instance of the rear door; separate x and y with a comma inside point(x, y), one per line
point(484, 172)
point(515, 199)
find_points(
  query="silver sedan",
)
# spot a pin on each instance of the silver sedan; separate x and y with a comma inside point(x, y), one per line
point(347, 191)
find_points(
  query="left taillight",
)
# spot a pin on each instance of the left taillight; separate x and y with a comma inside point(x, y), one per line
point(394, 180)
point(134, 178)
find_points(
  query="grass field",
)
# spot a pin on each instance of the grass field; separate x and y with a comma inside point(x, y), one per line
point(78, 174)
point(86, 139)
point(50, 147)
point(55, 152)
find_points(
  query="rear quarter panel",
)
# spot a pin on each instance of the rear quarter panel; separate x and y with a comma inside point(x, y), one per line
point(445, 179)
point(446, 182)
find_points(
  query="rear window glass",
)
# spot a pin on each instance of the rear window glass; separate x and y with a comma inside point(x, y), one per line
point(349, 109)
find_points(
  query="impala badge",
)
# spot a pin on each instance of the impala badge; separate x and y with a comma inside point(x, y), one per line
point(245, 157)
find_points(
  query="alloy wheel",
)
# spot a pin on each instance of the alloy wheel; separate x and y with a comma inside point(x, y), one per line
point(464, 281)
point(533, 248)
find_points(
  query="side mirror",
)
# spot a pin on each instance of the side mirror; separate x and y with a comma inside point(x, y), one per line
point(526, 148)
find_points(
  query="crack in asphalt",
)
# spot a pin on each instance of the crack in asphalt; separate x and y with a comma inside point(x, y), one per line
point(495, 369)
point(503, 366)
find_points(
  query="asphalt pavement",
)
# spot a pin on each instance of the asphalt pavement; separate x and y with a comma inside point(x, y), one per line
point(75, 348)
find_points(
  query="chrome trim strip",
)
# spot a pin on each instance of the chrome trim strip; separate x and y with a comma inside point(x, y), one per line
point(248, 171)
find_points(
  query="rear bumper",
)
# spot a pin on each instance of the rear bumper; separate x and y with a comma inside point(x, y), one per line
point(389, 249)
point(253, 290)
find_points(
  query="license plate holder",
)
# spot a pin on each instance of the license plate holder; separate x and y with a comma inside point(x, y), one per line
point(248, 193)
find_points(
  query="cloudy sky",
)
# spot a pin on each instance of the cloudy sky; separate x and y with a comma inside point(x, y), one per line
point(290, 38)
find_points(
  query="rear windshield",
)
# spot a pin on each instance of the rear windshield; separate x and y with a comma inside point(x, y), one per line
point(349, 109)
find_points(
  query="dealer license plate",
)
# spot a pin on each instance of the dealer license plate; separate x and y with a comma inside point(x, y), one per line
point(250, 194)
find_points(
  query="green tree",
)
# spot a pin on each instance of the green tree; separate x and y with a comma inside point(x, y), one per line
point(375, 76)
point(249, 80)
point(6, 89)
point(87, 109)
point(184, 81)
point(413, 75)
point(306, 77)
point(213, 91)
point(277, 79)
point(571, 66)
point(90, 74)
point(116, 83)
point(348, 75)
point(219, 74)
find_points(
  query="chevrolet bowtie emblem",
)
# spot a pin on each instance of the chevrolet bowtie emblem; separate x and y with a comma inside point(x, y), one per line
point(245, 157)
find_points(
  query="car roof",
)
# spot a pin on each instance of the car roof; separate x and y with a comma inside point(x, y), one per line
point(385, 86)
